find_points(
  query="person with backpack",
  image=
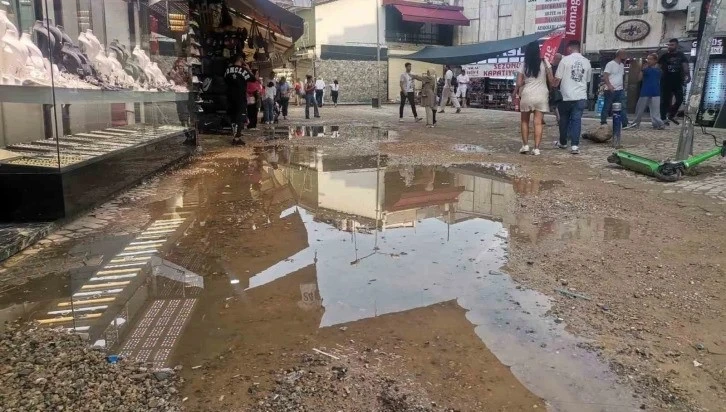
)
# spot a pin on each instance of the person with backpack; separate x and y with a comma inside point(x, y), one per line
point(447, 92)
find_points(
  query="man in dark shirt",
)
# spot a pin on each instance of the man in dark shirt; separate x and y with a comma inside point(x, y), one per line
point(676, 74)
point(236, 77)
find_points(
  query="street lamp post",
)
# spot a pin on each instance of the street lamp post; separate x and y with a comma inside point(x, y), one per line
point(378, 52)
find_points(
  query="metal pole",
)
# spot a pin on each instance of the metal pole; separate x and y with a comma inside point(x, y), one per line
point(706, 29)
point(378, 53)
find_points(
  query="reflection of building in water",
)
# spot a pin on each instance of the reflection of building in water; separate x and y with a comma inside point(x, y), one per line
point(355, 192)
point(588, 229)
point(104, 304)
point(345, 190)
point(173, 293)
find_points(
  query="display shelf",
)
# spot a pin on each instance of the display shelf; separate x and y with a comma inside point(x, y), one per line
point(45, 184)
point(94, 146)
point(46, 95)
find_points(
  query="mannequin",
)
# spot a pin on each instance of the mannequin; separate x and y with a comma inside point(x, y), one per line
point(14, 57)
point(38, 72)
point(94, 51)
point(5, 25)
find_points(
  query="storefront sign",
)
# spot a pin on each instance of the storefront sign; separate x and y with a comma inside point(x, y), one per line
point(716, 46)
point(493, 70)
point(573, 19)
point(632, 30)
point(549, 14)
point(549, 48)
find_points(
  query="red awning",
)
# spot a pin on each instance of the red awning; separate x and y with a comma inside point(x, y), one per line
point(420, 14)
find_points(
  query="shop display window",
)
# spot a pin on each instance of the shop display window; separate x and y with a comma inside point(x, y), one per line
point(94, 96)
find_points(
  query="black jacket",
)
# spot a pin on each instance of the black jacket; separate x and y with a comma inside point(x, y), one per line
point(236, 79)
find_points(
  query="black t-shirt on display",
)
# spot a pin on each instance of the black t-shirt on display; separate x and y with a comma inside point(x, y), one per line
point(672, 66)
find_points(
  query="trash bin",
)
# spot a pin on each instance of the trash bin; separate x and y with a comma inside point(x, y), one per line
point(375, 103)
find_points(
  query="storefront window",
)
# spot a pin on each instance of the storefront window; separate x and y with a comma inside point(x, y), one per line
point(94, 96)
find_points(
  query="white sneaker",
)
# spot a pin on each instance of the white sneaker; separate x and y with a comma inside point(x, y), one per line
point(524, 149)
point(575, 150)
point(535, 152)
point(400, 120)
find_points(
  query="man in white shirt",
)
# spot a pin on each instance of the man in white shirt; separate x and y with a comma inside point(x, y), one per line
point(448, 91)
point(463, 85)
point(407, 92)
point(319, 89)
point(614, 78)
point(573, 75)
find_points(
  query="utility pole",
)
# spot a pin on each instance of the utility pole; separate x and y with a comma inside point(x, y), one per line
point(378, 52)
point(706, 29)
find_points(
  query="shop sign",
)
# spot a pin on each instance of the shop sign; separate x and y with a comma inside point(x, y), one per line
point(632, 30)
point(549, 14)
point(550, 46)
point(716, 46)
point(493, 70)
point(573, 19)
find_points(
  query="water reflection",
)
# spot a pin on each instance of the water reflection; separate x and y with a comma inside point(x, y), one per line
point(332, 132)
point(356, 237)
point(386, 239)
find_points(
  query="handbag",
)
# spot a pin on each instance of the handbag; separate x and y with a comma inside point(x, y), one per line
point(555, 93)
point(555, 96)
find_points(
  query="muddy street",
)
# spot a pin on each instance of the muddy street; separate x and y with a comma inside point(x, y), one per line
point(369, 265)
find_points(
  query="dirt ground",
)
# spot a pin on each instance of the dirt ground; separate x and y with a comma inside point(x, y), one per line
point(632, 266)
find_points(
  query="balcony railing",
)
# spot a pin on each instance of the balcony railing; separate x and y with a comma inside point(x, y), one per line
point(415, 38)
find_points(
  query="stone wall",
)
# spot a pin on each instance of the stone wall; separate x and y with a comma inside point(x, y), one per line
point(358, 79)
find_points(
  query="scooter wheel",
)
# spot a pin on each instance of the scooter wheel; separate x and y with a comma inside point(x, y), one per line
point(676, 176)
point(614, 158)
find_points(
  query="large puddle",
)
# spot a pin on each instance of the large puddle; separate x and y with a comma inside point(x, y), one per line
point(369, 238)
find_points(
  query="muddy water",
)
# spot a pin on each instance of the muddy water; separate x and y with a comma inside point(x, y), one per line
point(276, 254)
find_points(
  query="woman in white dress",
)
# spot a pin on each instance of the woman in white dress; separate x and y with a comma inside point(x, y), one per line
point(533, 94)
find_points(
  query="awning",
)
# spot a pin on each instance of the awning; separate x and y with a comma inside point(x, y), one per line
point(266, 13)
point(420, 14)
point(472, 53)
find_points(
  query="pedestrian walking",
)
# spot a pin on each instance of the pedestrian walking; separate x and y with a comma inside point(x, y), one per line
point(334, 92)
point(675, 75)
point(572, 76)
point(428, 95)
point(533, 95)
point(299, 91)
point(650, 75)
point(448, 90)
point(319, 91)
point(614, 79)
point(255, 92)
point(310, 98)
point(407, 93)
point(284, 90)
point(462, 86)
point(268, 104)
point(237, 77)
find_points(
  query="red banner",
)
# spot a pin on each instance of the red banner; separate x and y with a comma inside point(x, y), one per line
point(550, 46)
point(574, 17)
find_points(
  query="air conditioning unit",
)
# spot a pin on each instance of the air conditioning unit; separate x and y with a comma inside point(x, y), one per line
point(667, 6)
point(693, 16)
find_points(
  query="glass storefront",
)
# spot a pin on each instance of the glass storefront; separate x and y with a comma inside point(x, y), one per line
point(94, 96)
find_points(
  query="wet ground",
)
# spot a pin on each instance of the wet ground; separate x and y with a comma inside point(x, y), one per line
point(236, 264)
